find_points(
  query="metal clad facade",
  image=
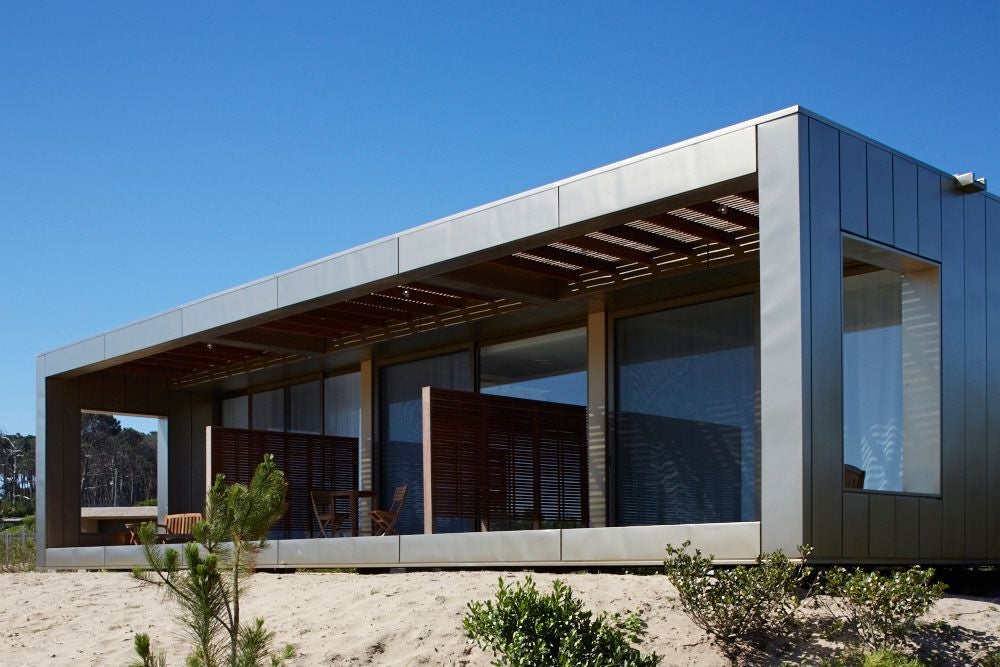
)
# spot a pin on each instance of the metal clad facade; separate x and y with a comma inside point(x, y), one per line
point(827, 427)
point(975, 376)
point(887, 198)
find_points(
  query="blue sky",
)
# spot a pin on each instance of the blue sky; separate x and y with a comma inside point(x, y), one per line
point(153, 154)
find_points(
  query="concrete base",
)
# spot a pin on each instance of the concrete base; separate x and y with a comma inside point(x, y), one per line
point(631, 545)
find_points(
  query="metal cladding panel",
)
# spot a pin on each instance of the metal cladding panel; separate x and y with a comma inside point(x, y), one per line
point(341, 272)
point(976, 464)
point(906, 538)
point(695, 166)
point(231, 306)
point(141, 335)
point(853, 185)
point(879, 195)
point(827, 395)
point(126, 557)
point(539, 546)
point(75, 557)
point(785, 378)
point(41, 450)
point(69, 496)
point(480, 230)
point(112, 392)
point(904, 205)
point(137, 394)
point(993, 374)
point(929, 213)
point(179, 454)
point(334, 551)
point(83, 353)
point(953, 374)
point(725, 541)
point(930, 528)
point(881, 522)
point(855, 525)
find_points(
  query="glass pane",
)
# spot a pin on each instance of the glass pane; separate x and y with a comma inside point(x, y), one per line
point(891, 377)
point(401, 427)
point(306, 414)
point(686, 418)
point(551, 367)
point(269, 410)
point(235, 412)
point(342, 396)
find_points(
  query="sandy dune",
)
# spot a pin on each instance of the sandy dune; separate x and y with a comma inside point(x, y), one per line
point(89, 618)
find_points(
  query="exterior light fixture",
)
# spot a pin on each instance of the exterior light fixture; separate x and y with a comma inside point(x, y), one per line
point(968, 182)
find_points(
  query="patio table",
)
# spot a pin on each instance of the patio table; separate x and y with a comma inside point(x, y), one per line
point(353, 496)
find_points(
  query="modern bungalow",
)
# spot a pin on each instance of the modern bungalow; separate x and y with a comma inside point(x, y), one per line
point(770, 335)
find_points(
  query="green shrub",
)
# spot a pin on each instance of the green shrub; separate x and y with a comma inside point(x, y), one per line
point(148, 502)
point(526, 629)
point(882, 609)
point(742, 607)
point(887, 658)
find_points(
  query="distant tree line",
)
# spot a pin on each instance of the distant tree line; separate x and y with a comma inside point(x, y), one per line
point(17, 474)
point(117, 465)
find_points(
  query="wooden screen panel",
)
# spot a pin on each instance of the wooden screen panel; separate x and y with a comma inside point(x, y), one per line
point(496, 462)
point(308, 462)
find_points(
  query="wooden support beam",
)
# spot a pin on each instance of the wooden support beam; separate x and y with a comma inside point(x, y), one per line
point(576, 259)
point(541, 268)
point(451, 291)
point(405, 305)
point(678, 224)
point(662, 243)
point(726, 214)
point(273, 341)
point(623, 252)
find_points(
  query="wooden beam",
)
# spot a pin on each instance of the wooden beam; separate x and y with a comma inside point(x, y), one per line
point(320, 319)
point(541, 268)
point(452, 291)
point(347, 312)
point(433, 298)
point(405, 305)
point(502, 282)
point(662, 243)
point(576, 259)
point(307, 329)
point(623, 252)
point(678, 224)
point(731, 215)
point(355, 308)
point(273, 341)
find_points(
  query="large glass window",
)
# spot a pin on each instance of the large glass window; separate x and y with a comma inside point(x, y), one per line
point(551, 367)
point(269, 410)
point(891, 371)
point(236, 412)
point(306, 414)
point(686, 414)
point(342, 409)
point(401, 427)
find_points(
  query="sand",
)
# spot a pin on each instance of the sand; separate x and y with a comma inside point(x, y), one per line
point(90, 618)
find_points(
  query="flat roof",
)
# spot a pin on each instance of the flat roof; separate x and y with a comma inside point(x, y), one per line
point(715, 157)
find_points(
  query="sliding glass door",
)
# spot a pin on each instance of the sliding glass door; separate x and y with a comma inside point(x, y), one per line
point(686, 414)
point(401, 427)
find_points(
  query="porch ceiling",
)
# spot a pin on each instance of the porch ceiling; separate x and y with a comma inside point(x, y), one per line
point(695, 237)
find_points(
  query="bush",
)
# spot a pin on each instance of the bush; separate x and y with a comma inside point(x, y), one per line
point(882, 609)
point(741, 608)
point(887, 658)
point(526, 629)
point(148, 502)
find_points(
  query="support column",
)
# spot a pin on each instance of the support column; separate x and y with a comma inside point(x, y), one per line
point(40, 463)
point(785, 368)
point(162, 467)
point(597, 417)
point(366, 437)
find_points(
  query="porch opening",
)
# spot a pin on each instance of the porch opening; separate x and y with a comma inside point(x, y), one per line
point(119, 474)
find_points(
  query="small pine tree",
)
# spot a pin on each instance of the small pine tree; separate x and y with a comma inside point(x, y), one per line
point(237, 518)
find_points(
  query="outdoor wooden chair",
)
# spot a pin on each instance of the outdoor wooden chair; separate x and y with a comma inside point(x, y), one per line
point(384, 521)
point(177, 527)
point(331, 522)
point(854, 477)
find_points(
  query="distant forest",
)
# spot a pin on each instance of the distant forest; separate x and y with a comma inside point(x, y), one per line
point(117, 467)
point(17, 474)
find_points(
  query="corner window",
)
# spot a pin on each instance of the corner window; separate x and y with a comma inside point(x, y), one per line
point(891, 371)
